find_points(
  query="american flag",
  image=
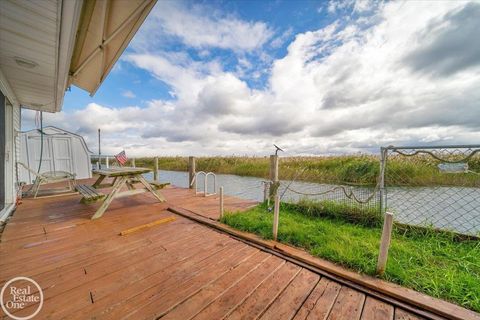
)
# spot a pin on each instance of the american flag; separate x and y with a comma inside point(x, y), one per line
point(121, 158)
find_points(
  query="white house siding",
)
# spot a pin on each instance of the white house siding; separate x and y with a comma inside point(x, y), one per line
point(12, 127)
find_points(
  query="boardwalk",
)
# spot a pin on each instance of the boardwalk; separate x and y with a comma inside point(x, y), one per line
point(177, 270)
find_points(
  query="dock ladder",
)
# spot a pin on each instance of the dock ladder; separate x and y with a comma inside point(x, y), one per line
point(205, 183)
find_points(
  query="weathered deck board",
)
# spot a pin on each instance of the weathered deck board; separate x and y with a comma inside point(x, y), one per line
point(348, 305)
point(179, 270)
point(233, 296)
point(376, 310)
point(312, 299)
point(325, 302)
point(292, 298)
point(255, 304)
point(191, 305)
point(405, 315)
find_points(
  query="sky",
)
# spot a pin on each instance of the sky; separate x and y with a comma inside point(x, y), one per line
point(331, 77)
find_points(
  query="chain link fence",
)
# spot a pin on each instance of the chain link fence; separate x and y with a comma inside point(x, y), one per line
point(434, 187)
point(359, 203)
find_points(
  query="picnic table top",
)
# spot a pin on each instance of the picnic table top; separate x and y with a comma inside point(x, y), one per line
point(121, 171)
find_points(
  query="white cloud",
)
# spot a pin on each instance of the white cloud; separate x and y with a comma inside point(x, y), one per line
point(201, 27)
point(382, 79)
point(365, 83)
point(335, 5)
point(279, 41)
point(128, 94)
point(363, 5)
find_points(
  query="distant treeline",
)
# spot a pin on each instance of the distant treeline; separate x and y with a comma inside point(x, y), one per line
point(348, 169)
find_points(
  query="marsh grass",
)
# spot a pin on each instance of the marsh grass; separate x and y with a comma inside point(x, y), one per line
point(428, 261)
point(348, 169)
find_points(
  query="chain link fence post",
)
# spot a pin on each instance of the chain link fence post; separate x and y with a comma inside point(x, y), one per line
point(383, 196)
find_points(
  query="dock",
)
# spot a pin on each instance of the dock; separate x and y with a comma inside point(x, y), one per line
point(187, 266)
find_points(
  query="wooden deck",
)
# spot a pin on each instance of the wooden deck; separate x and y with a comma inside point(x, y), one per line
point(177, 270)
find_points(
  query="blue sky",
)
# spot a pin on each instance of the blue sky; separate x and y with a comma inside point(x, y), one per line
point(234, 77)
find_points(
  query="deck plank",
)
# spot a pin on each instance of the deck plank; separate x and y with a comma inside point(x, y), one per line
point(401, 314)
point(292, 298)
point(236, 294)
point(312, 299)
point(106, 286)
point(159, 296)
point(265, 294)
point(190, 306)
point(168, 277)
point(325, 302)
point(58, 281)
point(376, 310)
point(162, 304)
point(348, 305)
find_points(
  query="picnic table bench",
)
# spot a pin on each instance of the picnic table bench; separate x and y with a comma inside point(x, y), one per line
point(122, 176)
point(89, 193)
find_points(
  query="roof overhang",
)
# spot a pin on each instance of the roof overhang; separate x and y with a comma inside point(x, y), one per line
point(48, 45)
point(37, 40)
point(106, 28)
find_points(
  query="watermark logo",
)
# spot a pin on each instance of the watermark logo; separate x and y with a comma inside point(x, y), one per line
point(21, 293)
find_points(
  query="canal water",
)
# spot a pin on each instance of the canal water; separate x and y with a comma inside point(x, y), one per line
point(451, 208)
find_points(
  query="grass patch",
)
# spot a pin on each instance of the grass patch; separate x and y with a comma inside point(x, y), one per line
point(348, 169)
point(429, 262)
point(366, 215)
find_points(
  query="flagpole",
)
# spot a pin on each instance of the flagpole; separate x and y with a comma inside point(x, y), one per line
point(99, 150)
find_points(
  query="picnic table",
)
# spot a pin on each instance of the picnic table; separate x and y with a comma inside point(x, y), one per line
point(122, 176)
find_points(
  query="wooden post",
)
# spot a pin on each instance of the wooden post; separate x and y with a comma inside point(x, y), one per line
point(265, 191)
point(221, 202)
point(107, 162)
point(385, 242)
point(274, 176)
point(276, 212)
point(274, 167)
point(191, 173)
point(133, 162)
point(155, 169)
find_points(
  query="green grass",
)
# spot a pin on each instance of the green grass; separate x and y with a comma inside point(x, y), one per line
point(347, 169)
point(364, 214)
point(429, 262)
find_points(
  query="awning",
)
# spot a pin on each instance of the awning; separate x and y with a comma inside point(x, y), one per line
point(106, 28)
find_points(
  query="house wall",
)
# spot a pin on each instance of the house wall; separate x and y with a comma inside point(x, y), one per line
point(2, 151)
point(11, 125)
